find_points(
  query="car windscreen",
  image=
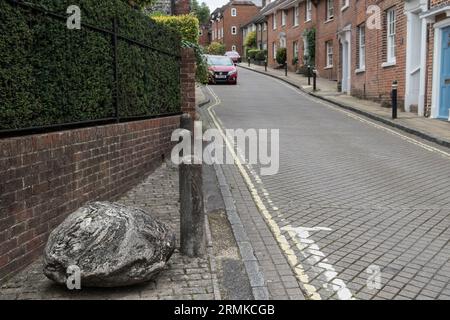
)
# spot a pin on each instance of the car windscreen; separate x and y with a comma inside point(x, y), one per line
point(220, 61)
point(232, 53)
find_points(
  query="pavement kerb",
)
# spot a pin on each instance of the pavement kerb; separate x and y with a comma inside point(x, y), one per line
point(421, 134)
point(252, 267)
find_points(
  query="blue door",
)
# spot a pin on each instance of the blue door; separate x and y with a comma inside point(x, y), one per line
point(444, 94)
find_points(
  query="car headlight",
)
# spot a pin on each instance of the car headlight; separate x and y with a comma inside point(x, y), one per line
point(232, 72)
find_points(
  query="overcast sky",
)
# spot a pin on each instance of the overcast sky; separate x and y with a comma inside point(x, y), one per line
point(214, 4)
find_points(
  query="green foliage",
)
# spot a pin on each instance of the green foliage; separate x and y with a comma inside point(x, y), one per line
point(310, 57)
point(52, 75)
point(250, 40)
point(201, 72)
point(186, 25)
point(261, 55)
point(216, 48)
point(281, 55)
point(200, 11)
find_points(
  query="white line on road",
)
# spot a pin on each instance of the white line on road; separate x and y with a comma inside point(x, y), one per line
point(332, 282)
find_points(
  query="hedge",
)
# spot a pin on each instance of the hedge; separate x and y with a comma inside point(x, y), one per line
point(187, 25)
point(52, 75)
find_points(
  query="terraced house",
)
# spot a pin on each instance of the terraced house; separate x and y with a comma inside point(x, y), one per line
point(226, 23)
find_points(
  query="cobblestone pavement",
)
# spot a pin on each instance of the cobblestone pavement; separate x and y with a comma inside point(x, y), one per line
point(184, 278)
point(350, 195)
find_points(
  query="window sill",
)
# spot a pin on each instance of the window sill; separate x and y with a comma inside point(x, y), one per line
point(360, 70)
point(329, 20)
point(389, 64)
point(307, 21)
point(345, 7)
point(328, 67)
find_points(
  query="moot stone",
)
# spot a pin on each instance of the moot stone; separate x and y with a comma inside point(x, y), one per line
point(112, 245)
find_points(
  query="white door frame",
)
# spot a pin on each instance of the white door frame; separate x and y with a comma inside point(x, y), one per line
point(436, 90)
point(345, 37)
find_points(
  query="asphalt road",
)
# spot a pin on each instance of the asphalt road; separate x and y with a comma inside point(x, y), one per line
point(351, 197)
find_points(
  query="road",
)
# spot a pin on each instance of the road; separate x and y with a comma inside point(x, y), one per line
point(351, 197)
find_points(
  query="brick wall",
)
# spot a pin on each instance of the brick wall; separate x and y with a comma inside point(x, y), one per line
point(45, 177)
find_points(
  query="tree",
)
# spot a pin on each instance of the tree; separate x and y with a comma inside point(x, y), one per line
point(200, 11)
point(216, 48)
point(140, 3)
point(250, 40)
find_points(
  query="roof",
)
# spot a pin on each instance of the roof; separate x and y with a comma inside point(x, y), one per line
point(261, 16)
point(232, 3)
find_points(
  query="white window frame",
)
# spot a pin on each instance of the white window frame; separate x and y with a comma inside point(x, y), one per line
point(308, 11)
point(362, 47)
point(345, 4)
point(330, 9)
point(233, 47)
point(234, 30)
point(329, 54)
point(391, 30)
point(265, 26)
point(295, 49)
point(233, 12)
point(296, 15)
point(283, 17)
point(274, 50)
point(274, 21)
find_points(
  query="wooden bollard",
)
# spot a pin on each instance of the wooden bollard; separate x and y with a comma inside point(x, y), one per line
point(192, 216)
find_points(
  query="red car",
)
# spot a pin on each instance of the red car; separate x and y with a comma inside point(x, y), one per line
point(234, 56)
point(221, 69)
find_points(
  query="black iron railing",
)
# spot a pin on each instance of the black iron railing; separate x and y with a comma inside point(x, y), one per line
point(116, 37)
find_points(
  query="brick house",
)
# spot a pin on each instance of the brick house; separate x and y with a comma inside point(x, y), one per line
point(204, 38)
point(428, 56)
point(226, 23)
point(287, 21)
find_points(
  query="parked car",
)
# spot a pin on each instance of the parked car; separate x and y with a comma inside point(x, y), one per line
point(234, 55)
point(221, 69)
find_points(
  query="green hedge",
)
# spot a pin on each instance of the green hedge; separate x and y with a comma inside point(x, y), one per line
point(51, 75)
point(187, 25)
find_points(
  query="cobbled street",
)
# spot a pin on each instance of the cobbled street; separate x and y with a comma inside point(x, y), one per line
point(351, 197)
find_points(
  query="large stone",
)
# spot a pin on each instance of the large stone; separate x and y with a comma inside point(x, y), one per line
point(112, 245)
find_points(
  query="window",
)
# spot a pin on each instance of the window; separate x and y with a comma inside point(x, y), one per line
point(362, 47)
point(233, 48)
point(330, 9)
point(344, 4)
point(308, 10)
point(264, 26)
point(391, 30)
point(274, 21)
point(200, 33)
point(283, 42)
point(295, 49)
point(329, 51)
point(274, 50)
point(259, 28)
point(305, 46)
point(296, 15)
point(283, 17)
point(233, 12)
point(233, 30)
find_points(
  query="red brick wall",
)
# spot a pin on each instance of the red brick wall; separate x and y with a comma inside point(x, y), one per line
point(182, 7)
point(45, 177)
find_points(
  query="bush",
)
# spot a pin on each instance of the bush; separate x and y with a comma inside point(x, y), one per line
point(52, 75)
point(201, 72)
point(281, 55)
point(216, 48)
point(187, 25)
point(251, 53)
point(250, 40)
point(261, 55)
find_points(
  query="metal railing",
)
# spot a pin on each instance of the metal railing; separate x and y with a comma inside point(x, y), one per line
point(116, 37)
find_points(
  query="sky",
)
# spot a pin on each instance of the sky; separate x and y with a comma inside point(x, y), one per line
point(214, 4)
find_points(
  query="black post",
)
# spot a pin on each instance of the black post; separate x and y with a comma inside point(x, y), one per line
point(309, 75)
point(265, 65)
point(285, 68)
point(248, 60)
point(116, 91)
point(192, 217)
point(394, 99)
point(314, 80)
